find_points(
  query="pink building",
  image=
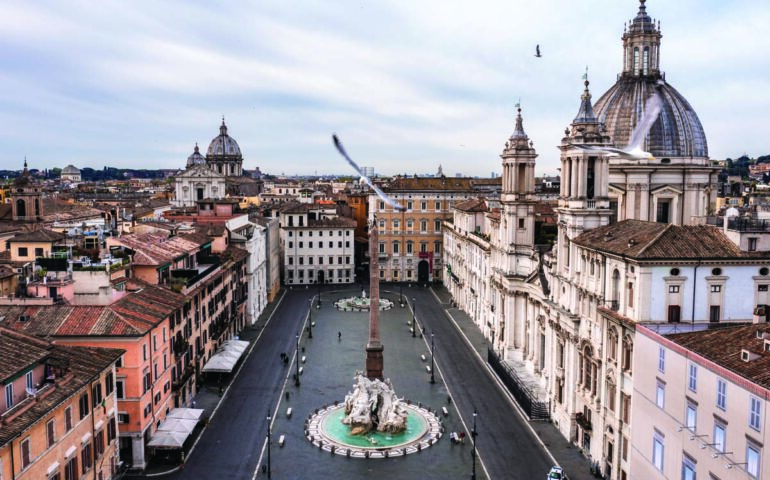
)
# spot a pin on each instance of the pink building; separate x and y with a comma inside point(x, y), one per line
point(700, 405)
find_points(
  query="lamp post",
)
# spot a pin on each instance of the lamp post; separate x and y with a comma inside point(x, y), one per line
point(268, 445)
point(310, 318)
point(432, 349)
point(414, 317)
point(401, 295)
point(319, 293)
point(473, 439)
point(296, 378)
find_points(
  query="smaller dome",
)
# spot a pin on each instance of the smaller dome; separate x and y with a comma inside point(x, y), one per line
point(223, 145)
point(70, 169)
point(196, 158)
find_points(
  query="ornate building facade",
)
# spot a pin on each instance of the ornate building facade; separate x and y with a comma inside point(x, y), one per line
point(629, 247)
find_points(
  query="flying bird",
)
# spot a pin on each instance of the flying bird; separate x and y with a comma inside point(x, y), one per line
point(634, 150)
point(366, 179)
point(537, 51)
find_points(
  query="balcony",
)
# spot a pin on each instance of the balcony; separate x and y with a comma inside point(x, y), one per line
point(182, 379)
point(583, 422)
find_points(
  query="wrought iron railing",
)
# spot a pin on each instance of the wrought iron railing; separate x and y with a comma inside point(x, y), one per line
point(535, 408)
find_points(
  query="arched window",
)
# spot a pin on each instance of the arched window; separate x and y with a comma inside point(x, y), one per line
point(628, 352)
point(646, 61)
point(21, 208)
point(615, 289)
point(396, 248)
point(37, 207)
point(636, 60)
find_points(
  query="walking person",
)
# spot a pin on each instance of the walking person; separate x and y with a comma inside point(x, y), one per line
point(339, 336)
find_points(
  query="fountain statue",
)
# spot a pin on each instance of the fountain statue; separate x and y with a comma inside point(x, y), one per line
point(373, 405)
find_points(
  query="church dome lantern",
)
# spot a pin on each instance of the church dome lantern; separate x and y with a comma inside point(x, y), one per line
point(677, 132)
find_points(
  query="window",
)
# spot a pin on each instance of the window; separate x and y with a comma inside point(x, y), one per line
point(752, 245)
point(85, 457)
point(38, 252)
point(144, 352)
point(761, 288)
point(409, 205)
point(50, 434)
point(147, 381)
point(423, 225)
point(437, 225)
point(84, 407)
point(9, 396)
point(691, 416)
point(291, 260)
point(112, 430)
point(438, 205)
point(673, 289)
point(661, 359)
point(657, 451)
point(395, 248)
point(382, 205)
point(22, 251)
point(96, 393)
point(409, 248)
point(660, 394)
point(71, 469)
point(68, 419)
point(755, 411)
point(721, 394)
point(688, 468)
point(109, 384)
point(752, 459)
point(123, 418)
point(521, 223)
point(692, 379)
point(99, 443)
point(26, 456)
point(719, 437)
point(716, 288)
point(625, 407)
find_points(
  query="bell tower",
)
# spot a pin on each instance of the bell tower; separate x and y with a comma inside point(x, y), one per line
point(583, 201)
point(517, 201)
point(27, 198)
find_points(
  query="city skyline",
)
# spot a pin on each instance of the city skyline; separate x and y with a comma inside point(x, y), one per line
point(407, 87)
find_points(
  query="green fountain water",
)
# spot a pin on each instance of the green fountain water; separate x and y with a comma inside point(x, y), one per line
point(333, 428)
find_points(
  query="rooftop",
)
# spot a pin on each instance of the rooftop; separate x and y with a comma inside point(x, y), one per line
point(724, 346)
point(83, 363)
point(657, 241)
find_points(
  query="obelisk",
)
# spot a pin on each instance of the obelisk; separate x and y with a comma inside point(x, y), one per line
point(374, 359)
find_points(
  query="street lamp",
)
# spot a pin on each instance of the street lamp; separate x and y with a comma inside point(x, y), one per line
point(401, 295)
point(473, 439)
point(310, 318)
point(296, 378)
point(432, 348)
point(319, 293)
point(414, 317)
point(268, 445)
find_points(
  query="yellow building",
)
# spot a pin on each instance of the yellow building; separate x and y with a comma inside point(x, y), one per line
point(410, 241)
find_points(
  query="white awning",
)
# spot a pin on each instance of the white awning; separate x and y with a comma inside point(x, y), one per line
point(186, 413)
point(165, 439)
point(99, 425)
point(225, 359)
point(177, 425)
point(70, 451)
point(86, 438)
point(52, 468)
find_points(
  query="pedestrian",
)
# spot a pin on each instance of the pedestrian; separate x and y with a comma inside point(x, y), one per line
point(193, 404)
point(339, 336)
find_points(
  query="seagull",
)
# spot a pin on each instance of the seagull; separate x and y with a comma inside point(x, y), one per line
point(634, 149)
point(537, 51)
point(366, 179)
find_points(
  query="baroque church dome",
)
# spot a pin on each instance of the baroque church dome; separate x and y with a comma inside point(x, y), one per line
point(223, 146)
point(677, 131)
point(196, 158)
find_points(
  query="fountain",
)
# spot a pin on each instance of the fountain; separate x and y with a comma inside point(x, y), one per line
point(373, 422)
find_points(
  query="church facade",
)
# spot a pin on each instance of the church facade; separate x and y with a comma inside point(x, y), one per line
point(632, 248)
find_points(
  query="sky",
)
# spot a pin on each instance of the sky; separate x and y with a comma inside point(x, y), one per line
point(407, 85)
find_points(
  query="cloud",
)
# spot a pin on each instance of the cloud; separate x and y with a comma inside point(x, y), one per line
point(409, 85)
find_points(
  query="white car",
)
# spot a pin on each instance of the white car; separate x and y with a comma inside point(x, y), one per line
point(556, 473)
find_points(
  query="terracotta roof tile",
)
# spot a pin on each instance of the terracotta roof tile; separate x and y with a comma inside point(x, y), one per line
point(651, 241)
point(723, 346)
